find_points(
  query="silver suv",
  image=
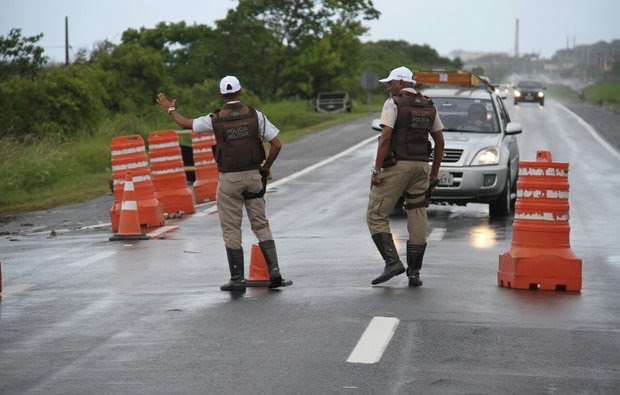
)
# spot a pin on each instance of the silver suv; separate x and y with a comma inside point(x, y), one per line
point(481, 155)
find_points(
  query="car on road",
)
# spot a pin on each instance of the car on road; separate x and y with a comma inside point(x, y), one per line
point(502, 90)
point(333, 102)
point(529, 91)
point(481, 155)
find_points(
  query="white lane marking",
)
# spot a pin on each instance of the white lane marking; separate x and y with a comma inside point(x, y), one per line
point(14, 289)
point(160, 231)
point(49, 230)
point(33, 230)
point(210, 210)
point(612, 150)
point(321, 163)
point(374, 340)
point(92, 259)
point(437, 234)
point(614, 259)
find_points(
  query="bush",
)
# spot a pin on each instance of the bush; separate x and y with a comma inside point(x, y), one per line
point(133, 75)
point(59, 102)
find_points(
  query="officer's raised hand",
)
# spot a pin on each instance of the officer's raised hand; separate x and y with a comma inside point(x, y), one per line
point(170, 107)
point(165, 103)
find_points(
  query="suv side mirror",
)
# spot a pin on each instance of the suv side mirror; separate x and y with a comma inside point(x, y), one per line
point(514, 128)
point(376, 125)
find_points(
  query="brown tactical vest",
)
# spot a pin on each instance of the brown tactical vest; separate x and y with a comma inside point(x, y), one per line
point(414, 122)
point(239, 147)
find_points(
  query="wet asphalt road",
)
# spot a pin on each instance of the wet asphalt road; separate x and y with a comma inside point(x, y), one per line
point(82, 314)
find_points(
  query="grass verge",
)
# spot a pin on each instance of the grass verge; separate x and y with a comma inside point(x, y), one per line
point(605, 94)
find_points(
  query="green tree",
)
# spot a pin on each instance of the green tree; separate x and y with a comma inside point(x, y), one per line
point(478, 70)
point(20, 55)
point(302, 41)
point(133, 76)
point(247, 49)
point(187, 50)
point(102, 49)
point(384, 55)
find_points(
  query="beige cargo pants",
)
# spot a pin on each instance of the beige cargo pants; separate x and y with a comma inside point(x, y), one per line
point(404, 176)
point(230, 204)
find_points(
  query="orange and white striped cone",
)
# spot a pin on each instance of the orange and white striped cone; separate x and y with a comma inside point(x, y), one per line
point(129, 222)
point(259, 270)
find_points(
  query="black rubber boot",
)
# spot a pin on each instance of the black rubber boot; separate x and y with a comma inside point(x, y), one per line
point(415, 255)
point(268, 247)
point(235, 264)
point(393, 265)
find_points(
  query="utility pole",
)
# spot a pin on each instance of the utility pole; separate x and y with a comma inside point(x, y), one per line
point(66, 41)
point(517, 39)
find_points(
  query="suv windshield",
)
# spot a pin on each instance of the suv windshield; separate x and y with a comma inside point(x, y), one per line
point(529, 84)
point(467, 115)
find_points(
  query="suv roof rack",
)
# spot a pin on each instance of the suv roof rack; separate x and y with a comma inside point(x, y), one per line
point(452, 78)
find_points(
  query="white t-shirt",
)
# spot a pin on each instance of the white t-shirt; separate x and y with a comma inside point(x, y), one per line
point(265, 128)
point(390, 112)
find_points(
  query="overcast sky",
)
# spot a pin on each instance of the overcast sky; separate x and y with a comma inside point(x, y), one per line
point(447, 25)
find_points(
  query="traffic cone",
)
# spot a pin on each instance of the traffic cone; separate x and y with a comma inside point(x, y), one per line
point(129, 222)
point(259, 270)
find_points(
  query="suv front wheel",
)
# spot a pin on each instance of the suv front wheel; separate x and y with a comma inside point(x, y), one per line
point(502, 207)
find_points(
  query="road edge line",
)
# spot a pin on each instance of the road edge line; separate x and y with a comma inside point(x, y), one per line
point(593, 132)
point(321, 163)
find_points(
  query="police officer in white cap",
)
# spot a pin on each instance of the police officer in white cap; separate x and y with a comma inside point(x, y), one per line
point(239, 130)
point(402, 166)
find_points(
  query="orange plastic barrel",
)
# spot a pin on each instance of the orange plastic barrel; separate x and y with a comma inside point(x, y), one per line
point(540, 255)
point(205, 186)
point(129, 155)
point(168, 173)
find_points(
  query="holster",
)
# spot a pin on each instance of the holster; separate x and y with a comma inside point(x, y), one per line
point(427, 195)
point(256, 195)
point(389, 160)
point(429, 191)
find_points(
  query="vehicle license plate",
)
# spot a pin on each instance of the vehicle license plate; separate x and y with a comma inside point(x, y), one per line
point(446, 179)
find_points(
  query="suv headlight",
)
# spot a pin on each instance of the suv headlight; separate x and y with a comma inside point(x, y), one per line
point(487, 156)
point(517, 93)
point(540, 94)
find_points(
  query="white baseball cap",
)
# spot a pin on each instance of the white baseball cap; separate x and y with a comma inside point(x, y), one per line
point(399, 74)
point(229, 84)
